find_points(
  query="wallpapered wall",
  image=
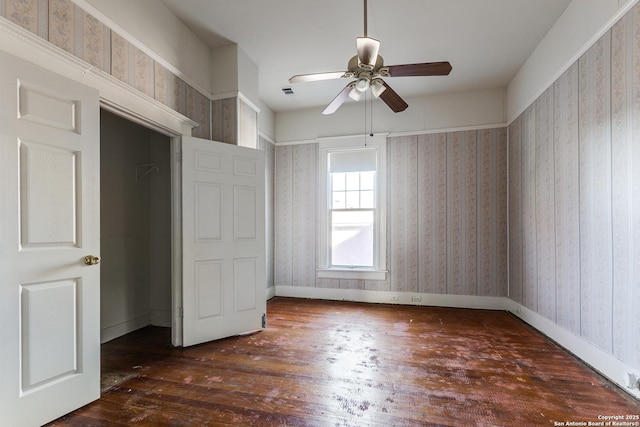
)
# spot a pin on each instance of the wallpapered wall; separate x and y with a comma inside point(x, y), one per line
point(575, 197)
point(447, 209)
point(68, 27)
point(269, 170)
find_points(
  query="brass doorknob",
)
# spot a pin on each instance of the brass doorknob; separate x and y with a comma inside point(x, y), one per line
point(91, 260)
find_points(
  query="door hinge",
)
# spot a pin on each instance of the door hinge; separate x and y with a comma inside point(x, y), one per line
point(180, 313)
point(264, 320)
point(179, 156)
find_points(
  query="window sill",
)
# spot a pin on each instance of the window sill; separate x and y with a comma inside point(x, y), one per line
point(352, 274)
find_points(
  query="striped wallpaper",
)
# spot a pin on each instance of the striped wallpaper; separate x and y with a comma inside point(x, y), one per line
point(70, 28)
point(446, 212)
point(574, 202)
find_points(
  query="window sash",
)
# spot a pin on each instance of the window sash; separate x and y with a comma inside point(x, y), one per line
point(352, 144)
point(348, 240)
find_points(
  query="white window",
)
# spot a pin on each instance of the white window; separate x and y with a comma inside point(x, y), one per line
point(352, 241)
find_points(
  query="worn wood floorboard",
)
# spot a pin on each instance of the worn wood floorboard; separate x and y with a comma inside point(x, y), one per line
point(323, 363)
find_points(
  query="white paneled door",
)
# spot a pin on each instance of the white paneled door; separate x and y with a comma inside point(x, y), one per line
point(223, 240)
point(49, 296)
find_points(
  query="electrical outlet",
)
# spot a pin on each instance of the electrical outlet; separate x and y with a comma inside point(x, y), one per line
point(395, 298)
point(632, 381)
point(416, 299)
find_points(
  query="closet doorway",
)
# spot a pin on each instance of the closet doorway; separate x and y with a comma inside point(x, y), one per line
point(135, 229)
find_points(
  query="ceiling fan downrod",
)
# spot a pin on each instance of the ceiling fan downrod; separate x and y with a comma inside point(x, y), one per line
point(365, 18)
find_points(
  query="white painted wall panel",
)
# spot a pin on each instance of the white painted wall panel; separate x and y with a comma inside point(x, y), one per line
point(426, 113)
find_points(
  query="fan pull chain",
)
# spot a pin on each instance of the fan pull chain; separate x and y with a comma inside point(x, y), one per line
point(365, 117)
point(371, 113)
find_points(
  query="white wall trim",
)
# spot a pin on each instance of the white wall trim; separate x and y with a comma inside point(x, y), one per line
point(270, 292)
point(301, 142)
point(335, 140)
point(225, 95)
point(266, 138)
point(447, 130)
point(112, 332)
point(140, 119)
point(386, 297)
point(160, 318)
point(247, 101)
point(399, 134)
point(608, 365)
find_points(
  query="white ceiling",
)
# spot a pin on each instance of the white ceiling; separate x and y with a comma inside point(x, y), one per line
point(486, 41)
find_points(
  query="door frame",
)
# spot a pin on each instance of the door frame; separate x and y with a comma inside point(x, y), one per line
point(176, 210)
point(125, 101)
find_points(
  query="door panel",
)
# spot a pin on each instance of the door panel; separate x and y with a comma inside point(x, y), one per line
point(48, 206)
point(49, 299)
point(223, 240)
point(39, 337)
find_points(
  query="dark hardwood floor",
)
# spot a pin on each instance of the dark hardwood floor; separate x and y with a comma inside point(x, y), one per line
point(322, 363)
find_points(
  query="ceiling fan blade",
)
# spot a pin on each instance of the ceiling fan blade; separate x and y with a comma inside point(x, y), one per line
point(338, 100)
point(425, 69)
point(317, 77)
point(392, 99)
point(367, 51)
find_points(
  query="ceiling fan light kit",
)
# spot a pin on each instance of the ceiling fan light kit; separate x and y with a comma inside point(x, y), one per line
point(355, 94)
point(367, 67)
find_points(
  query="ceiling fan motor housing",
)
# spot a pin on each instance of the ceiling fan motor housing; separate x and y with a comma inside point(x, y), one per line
point(365, 73)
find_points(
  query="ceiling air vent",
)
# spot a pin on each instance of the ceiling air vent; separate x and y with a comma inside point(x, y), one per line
point(287, 91)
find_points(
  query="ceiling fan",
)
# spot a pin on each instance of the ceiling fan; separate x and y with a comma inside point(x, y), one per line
point(368, 69)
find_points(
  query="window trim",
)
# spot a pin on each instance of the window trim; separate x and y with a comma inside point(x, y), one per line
point(327, 145)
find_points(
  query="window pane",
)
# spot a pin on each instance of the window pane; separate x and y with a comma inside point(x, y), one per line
point(367, 180)
point(367, 200)
point(338, 200)
point(337, 181)
point(353, 199)
point(353, 181)
point(352, 238)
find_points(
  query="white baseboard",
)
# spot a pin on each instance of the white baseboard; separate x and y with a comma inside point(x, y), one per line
point(606, 364)
point(114, 331)
point(160, 318)
point(271, 292)
point(386, 297)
